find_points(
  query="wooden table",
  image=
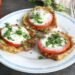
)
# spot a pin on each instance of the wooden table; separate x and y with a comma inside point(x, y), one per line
point(13, 5)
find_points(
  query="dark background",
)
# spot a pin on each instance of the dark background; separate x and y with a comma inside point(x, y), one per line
point(13, 5)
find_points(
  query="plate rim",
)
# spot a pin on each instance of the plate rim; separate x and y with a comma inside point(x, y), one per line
point(10, 65)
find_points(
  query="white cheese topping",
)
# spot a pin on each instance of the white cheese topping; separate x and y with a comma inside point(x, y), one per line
point(44, 15)
point(15, 38)
point(55, 46)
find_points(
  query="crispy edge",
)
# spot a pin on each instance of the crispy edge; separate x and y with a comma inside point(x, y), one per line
point(45, 30)
point(64, 54)
point(24, 47)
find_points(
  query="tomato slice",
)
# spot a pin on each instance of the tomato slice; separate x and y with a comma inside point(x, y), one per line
point(12, 44)
point(47, 24)
point(15, 40)
point(44, 49)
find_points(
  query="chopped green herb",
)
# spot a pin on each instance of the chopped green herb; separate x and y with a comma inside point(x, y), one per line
point(19, 27)
point(10, 38)
point(39, 21)
point(36, 17)
point(9, 29)
point(7, 33)
point(8, 26)
point(47, 43)
point(54, 39)
point(25, 36)
point(40, 57)
point(19, 32)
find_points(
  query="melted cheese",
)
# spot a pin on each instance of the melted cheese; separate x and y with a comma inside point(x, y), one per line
point(45, 17)
point(52, 47)
point(16, 39)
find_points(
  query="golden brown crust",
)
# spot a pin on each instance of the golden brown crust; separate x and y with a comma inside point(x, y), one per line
point(27, 45)
point(4, 46)
point(63, 54)
point(58, 56)
point(12, 49)
point(45, 30)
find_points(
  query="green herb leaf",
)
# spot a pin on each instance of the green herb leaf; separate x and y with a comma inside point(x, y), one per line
point(10, 38)
point(25, 36)
point(7, 33)
point(8, 26)
point(36, 17)
point(40, 57)
point(47, 43)
point(19, 32)
point(54, 39)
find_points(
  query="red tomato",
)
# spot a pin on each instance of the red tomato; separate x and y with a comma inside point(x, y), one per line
point(47, 24)
point(12, 44)
point(55, 51)
point(9, 42)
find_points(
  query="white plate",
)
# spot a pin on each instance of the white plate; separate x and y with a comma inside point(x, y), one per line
point(28, 61)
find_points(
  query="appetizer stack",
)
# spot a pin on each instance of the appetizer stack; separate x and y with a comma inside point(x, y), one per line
point(39, 27)
point(40, 19)
point(15, 38)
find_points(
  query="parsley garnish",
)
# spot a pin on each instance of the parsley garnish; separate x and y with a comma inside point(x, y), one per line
point(55, 38)
point(7, 33)
point(9, 29)
point(40, 57)
point(10, 38)
point(8, 26)
point(25, 36)
point(19, 32)
point(36, 17)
